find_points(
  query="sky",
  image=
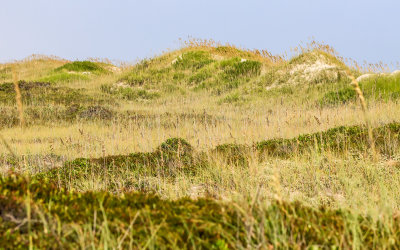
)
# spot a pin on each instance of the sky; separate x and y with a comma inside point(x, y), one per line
point(363, 30)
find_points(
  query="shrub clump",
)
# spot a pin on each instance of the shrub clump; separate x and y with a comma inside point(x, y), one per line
point(234, 154)
point(82, 66)
point(379, 87)
point(128, 93)
point(172, 157)
point(42, 93)
point(236, 67)
point(193, 60)
point(23, 85)
point(200, 76)
point(339, 139)
point(176, 154)
point(341, 96)
point(58, 218)
point(96, 112)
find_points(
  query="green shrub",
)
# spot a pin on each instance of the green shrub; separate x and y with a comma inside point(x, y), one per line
point(382, 87)
point(235, 67)
point(173, 156)
point(138, 77)
point(135, 80)
point(95, 112)
point(193, 60)
point(59, 219)
point(45, 114)
point(339, 139)
point(200, 77)
point(232, 98)
point(82, 66)
point(233, 154)
point(341, 96)
point(133, 95)
point(128, 93)
point(177, 156)
point(178, 76)
point(43, 93)
point(379, 87)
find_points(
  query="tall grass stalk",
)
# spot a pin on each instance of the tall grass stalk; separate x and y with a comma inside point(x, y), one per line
point(364, 108)
point(18, 98)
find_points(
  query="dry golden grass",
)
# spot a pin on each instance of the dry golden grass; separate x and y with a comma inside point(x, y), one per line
point(347, 180)
point(204, 123)
point(18, 99)
point(226, 124)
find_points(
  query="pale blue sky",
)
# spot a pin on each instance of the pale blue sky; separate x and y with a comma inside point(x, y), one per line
point(129, 30)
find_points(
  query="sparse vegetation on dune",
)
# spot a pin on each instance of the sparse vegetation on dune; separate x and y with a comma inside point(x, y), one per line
point(210, 146)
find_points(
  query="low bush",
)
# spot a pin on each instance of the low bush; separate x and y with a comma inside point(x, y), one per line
point(176, 156)
point(339, 139)
point(378, 87)
point(82, 66)
point(341, 96)
point(233, 154)
point(172, 157)
point(200, 77)
point(233, 98)
point(235, 68)
point(42, 93)
point(54, 218)
point(128, 93)
point(193, 60)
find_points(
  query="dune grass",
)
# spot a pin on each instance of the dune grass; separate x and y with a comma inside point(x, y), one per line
point(379, 87)
point(209, 146)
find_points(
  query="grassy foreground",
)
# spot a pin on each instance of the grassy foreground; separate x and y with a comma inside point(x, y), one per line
point(209, 146)
point(48, 217)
